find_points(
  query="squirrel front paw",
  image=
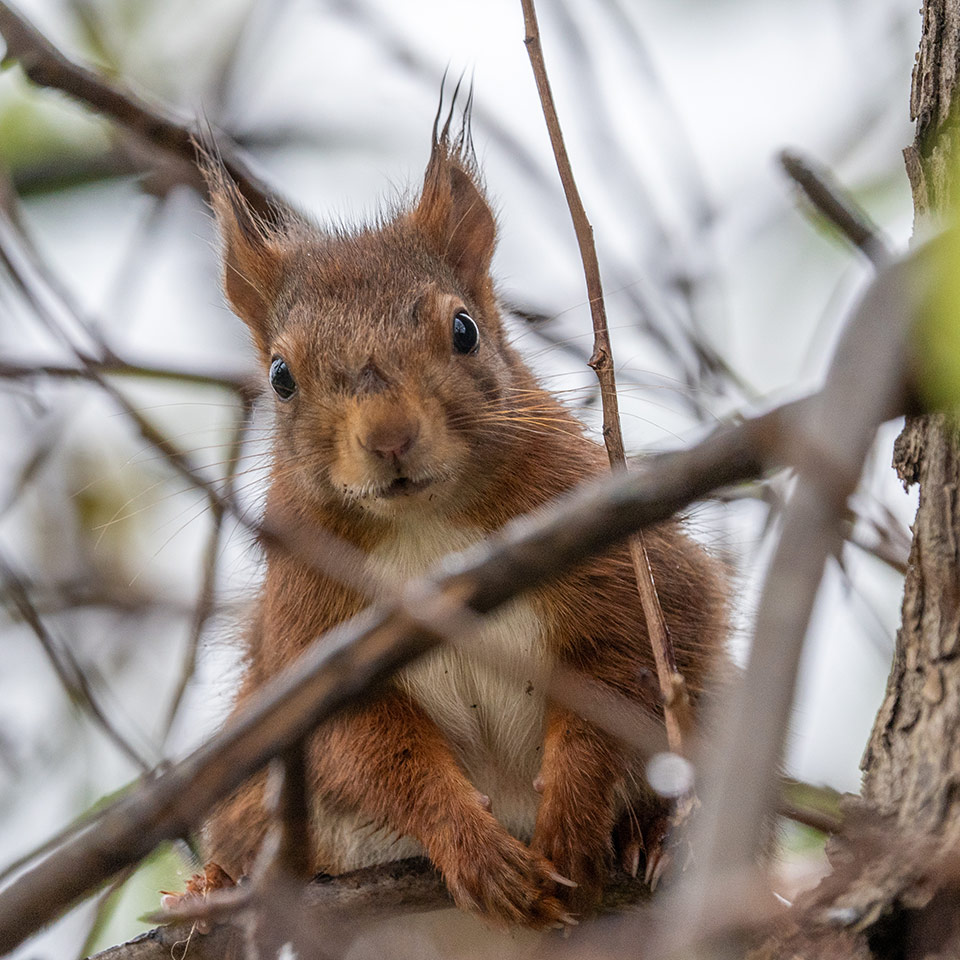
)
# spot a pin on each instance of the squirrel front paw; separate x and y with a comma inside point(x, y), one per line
point(580, 851)
point(199, 887)
point(505, 881)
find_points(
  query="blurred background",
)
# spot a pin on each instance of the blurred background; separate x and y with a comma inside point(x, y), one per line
point(723, 297)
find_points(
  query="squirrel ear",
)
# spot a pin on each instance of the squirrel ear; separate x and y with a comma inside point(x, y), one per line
point(456, 219)
point(253, 254)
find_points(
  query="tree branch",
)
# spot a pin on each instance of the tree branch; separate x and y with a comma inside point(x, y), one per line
point(380, 891)
point(838, 208)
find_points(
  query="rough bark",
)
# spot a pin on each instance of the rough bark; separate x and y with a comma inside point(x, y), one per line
point(912, 762)
point(932, 158)
point(911, 765)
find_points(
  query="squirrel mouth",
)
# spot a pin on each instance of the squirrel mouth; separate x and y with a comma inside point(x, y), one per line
point(403, 486)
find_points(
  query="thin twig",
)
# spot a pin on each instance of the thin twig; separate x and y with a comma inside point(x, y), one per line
point(243, 384)
point(815, 819)
point(893, 555)
point(672, 687)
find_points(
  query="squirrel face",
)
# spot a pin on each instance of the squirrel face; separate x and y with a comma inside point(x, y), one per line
point(385, 347)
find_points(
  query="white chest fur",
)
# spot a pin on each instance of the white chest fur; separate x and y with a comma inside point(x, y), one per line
point(485, 693)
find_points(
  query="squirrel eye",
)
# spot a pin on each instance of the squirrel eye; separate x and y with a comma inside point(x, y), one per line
point(466, 334)
point(281, 379)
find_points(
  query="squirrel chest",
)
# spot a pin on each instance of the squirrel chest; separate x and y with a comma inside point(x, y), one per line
point(487, 693)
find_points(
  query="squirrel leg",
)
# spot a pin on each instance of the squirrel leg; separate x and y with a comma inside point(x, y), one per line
point(390, 762)
point(235, 830)
point(582, 777)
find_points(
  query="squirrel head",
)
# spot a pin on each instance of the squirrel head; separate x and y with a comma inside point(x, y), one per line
point(391, 373)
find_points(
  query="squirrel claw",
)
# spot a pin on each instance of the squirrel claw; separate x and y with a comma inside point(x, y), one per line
point(659, 856)
point(657, 862)
point(563, 881)
point(630, 858)
point(629, 843)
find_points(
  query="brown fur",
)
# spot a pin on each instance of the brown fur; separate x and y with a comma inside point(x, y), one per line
point(363, 320)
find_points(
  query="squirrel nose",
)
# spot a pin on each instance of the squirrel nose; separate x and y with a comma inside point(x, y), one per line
point(392, 439)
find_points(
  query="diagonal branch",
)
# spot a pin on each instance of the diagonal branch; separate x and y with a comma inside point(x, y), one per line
point(838, 207)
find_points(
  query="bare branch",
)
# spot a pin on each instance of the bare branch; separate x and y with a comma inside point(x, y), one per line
point(809, 817)
point(242, 383)
point(838, 208)
point(47, 66)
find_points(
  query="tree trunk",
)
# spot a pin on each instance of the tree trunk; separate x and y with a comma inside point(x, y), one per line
point(911, 766)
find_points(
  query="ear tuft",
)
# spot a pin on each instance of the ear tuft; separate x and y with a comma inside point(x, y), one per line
point(453, 213)
point(253, 251)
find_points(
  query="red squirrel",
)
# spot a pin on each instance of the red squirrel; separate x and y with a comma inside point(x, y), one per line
point(408, 425)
